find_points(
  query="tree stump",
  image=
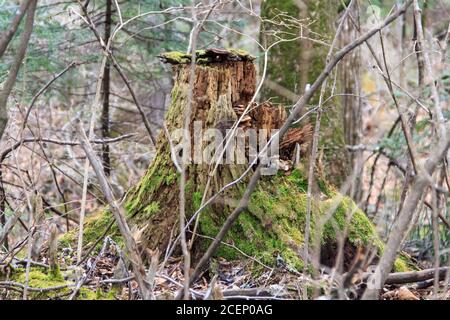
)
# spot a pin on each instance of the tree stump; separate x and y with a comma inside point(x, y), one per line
point(274, 223)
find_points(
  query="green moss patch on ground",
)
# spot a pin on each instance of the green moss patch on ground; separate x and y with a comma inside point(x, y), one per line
point(40, 278)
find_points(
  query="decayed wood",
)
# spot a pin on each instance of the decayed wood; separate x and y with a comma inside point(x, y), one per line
point(218, 91)
point(210, 55)
point(270, 117)
point(53, 247)
point(267, 116)
point(302, 136)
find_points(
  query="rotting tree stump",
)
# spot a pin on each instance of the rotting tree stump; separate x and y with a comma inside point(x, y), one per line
point(273, 224)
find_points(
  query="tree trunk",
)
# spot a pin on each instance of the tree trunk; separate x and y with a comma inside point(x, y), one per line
point(7, 35)
point(218, 90)
point(106, 88)
point(273, 224)
point(350, 101)
point(293, 65)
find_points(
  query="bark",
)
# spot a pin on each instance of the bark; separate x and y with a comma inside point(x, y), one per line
point(351, 103)
point(106, 90)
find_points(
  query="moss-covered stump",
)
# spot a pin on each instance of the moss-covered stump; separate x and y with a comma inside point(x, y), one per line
point(274, 222)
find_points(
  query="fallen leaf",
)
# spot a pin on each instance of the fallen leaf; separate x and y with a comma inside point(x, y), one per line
point(405, 294)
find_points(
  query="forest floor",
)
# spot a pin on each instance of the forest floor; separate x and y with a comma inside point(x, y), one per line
point(223, 280)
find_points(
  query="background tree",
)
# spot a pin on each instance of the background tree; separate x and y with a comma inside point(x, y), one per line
point(294, 65)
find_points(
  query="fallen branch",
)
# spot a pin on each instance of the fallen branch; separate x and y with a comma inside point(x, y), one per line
point(21, 286)
point(411, 276)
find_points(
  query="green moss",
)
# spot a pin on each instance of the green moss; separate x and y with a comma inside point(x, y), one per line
point(325, 187)
point(297, 177)
point(150, 182)
point(404, 263)
point(98, 294)
point(55, 273)
point(152, 208)
point(241, 53)
point(38, 278)
point(170, 179)
point(275, 220)
point(197, 199)
point(96, 225)
point(202, 56)
point(400, 265)
point(176, 57)
point(361, 231)
point(65, 241)
point(94, 228)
